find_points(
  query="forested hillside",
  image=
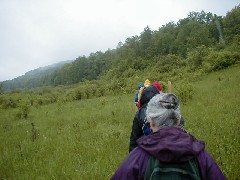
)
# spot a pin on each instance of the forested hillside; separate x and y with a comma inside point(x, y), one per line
point(31, 78)
point(200, 43)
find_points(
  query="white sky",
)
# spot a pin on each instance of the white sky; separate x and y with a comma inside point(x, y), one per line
point(39, 33)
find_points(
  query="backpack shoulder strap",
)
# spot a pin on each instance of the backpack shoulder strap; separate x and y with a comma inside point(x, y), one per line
point(140, 92)
point(151, 165)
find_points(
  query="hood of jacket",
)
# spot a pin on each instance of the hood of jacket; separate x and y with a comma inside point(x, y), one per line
point(147, 95)
point(171, 145)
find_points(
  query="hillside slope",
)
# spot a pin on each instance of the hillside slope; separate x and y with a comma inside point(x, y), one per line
point(213, 116)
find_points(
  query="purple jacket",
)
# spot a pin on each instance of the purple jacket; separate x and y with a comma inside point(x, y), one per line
point(168, 145)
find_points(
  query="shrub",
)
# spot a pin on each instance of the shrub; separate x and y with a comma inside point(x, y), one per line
point(23, 112)
point(6, 102)
point(226, 59)
point(221, 60)
point(78, 94)
point(184, 91)
point(196, 57)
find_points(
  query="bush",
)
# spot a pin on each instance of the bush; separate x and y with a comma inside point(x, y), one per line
point(6, 102)
point(227, 59)
point(217, 61)
point(23, 112)
point(184, 91)
point(195, 58)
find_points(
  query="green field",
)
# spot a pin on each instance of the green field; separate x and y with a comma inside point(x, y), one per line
point(88, 139)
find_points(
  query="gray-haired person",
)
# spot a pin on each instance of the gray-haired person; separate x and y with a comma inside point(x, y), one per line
point(169, 145)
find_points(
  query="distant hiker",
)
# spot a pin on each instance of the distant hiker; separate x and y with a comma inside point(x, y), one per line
point(138, 126)
point(158, 86)
point(146, 84)
point(136, 94)
point(168, 152)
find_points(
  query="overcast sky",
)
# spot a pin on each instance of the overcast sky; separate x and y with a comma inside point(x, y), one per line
point(36, 33)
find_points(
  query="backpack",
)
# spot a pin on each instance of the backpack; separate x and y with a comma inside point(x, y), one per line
point(172, 171)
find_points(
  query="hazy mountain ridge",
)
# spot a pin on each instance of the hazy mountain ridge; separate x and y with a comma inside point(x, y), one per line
point(33, 76)
point(46, 69)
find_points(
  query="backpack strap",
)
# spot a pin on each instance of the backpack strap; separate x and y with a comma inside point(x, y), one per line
point(140, 92)
point(152, 163)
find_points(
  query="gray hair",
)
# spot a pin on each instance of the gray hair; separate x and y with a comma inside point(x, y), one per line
point(164, 110)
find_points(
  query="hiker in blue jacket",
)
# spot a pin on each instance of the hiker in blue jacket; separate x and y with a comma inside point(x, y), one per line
point(168, 144)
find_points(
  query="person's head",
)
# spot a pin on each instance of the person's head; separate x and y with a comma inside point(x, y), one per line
point(157, 85)
point(147, 83)
point(147, 94)
point(163, 111)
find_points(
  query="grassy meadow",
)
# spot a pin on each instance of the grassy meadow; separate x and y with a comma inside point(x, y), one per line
point(88, 139)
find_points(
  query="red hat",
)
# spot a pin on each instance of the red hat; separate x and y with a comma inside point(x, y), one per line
point(157, 85)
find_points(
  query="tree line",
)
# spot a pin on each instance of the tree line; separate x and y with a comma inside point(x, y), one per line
point(202, 41)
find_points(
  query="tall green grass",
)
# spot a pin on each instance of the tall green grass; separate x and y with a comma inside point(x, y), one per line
point(213, 115)
point(79, 140)
point(88, 139)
